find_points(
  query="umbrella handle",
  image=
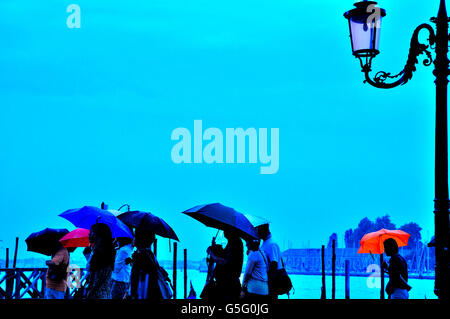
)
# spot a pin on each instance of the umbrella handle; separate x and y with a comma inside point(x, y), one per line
point(128, 207)
point(214, 238)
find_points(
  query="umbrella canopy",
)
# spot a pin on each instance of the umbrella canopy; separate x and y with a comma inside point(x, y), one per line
point(256, 220)
point(45, 241)
point(115, 212)
point(87, 216)
point(222, 217)
point(149, 222)
point(76, 238)
point(373, 242)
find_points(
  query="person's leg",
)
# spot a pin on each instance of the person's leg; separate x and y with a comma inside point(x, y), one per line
point(256, 298)
point(48, 294)
point(54, 294)
point(115, 290)
point(118, 289)
point(399, 294)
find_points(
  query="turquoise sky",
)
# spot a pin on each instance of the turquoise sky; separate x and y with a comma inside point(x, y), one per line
point(86, 115)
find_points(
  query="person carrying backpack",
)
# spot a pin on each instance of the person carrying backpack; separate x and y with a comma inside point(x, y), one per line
point(56, 278)
point(148, 279)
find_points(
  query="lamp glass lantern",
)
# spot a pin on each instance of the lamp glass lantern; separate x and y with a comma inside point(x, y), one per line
point(364, 24)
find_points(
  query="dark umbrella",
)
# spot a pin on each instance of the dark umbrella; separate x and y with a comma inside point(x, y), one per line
point(45, 241)
point(148, 221)
point(224, 218)
point(87, 216)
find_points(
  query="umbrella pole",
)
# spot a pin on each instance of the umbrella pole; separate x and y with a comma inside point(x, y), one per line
point(382, 277)
point(214, 238)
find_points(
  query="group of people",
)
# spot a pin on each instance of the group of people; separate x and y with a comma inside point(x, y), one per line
point(259, 276)
point(114, 271)
point(264, 263)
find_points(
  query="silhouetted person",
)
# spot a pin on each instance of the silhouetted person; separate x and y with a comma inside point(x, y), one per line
point(273, 254)
point(255, 282)
point(56, 278)
point(397, 287)
point(228, 267)
point(101, 263)
point(144, 272)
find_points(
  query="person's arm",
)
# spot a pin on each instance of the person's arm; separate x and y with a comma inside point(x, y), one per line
point(273, 267)
point(214, 255)
point(217, 259)
point(273, 264)
point(57, 259)
point(385, 267)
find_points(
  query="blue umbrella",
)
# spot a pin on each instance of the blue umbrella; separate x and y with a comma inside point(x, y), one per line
point(87, 216)
point(224, 218)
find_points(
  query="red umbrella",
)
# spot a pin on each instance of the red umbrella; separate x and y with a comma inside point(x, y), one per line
point(373, 242)
point(76, 238)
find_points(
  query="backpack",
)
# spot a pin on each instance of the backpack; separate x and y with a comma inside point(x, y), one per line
point(164, 283)
point(162, 279)
point(281, 283)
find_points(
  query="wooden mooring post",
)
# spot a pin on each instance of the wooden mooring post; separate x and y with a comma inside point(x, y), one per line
point(174, 270)
point(333, 270)
point(15, 252)
point(7, 258)
point(347, 280)
point(324, 290)
point(9, 281)
point(185, 274)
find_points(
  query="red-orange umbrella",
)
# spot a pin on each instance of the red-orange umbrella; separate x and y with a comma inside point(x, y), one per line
point(373, 242)
point(76, 238)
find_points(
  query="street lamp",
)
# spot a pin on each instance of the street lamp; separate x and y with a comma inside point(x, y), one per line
point(365, 23)
point(365, 30)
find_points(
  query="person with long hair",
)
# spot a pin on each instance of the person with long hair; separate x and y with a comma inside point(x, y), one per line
point(101, 263)
point(228, 268)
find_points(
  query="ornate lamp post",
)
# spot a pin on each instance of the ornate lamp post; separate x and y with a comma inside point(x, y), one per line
point(365, 22)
